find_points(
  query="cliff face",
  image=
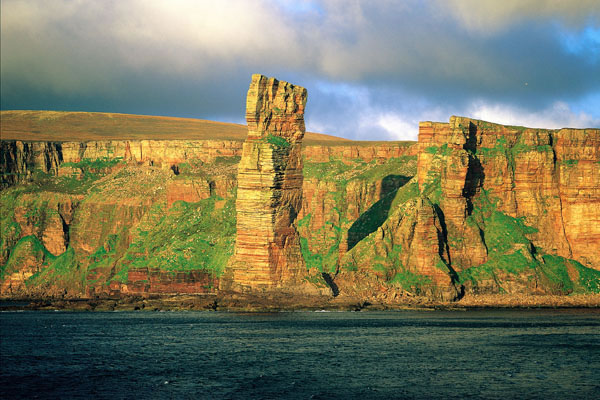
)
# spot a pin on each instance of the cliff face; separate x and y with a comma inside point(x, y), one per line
point(494, 209)
point(474, 207)
point(115, 216)
point(550, 179)
point(269, 196)
point(20, 160)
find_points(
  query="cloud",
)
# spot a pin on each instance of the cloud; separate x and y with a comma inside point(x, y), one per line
point(558, 115)
point(363, 113)
point(490, 16)
point(373, 69)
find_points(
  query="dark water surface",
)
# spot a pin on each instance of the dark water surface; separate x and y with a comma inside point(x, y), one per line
point(303, 355)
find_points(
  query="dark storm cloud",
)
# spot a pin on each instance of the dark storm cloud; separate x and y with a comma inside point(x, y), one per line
point(373, 69)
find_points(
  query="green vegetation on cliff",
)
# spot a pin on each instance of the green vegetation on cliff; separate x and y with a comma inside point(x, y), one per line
point(63, 272)
point(278, 141)
point(28, 252)
point(320, 245)
point(511, 253)
point(410, 282)
point(188, 236)
point(111, 217)
point(88, 165)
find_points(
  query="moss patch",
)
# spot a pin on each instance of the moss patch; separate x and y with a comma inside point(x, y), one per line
point(278, 141)
point(410, 281)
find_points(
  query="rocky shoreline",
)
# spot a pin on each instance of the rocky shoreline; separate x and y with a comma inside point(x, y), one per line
point(278, 302)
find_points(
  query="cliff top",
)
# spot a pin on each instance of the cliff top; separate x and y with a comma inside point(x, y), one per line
point(457, 120)
point(63, 126)
point(276, 108)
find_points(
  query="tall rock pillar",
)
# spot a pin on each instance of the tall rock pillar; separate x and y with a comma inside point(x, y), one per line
point(269, 197)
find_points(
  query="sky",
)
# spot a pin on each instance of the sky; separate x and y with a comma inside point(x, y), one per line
point(373, 69)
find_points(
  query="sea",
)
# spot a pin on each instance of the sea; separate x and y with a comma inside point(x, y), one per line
point(487, 354)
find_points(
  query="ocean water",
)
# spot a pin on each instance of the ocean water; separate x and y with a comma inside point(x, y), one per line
point(301, 355)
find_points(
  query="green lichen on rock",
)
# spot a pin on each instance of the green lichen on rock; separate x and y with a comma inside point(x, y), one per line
point(28, 252)
point(569, 276)
point(10, 231)
point(92, 165)
point(570, 162)
point(63, 274)
point(278, 141)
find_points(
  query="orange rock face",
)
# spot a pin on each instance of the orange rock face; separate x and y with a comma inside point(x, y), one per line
point(50, 224)
point(457, 172)
point(188, 190)
point(380, 152)
point(549, 178)
point(146, 280)
point(269, 196)
point(473, 207)
point(492, 209)
point(409, 244)
point(28, 259)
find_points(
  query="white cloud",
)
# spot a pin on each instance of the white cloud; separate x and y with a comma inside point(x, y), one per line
point(359, 112)
point(490, 16)
point(76, 42)
point(362, 113)
point(558, 115)
point(398, 127)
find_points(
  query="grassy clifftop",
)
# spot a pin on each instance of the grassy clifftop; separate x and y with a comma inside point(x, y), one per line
point(63, 126)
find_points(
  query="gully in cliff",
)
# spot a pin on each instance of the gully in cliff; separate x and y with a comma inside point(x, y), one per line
point(269, 197)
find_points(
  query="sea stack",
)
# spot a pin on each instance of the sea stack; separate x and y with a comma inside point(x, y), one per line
point(269, 197)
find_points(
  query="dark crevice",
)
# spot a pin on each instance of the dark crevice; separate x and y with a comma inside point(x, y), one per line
point(482, 237)
point(475, 175)
point(8, 164)
point(461, 292)
point(532, 249)
point(65, 228)
point(473, 181)
point(59, 152)
point(82, 148)
point(443, 247)
point(551, 142)
point(471, 139)
point(332, 285)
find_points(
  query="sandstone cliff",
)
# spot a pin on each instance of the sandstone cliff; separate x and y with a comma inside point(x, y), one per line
point(167, 226)
point(499, 209)
point(19, 160)
point(269, 195)
point(474, 207)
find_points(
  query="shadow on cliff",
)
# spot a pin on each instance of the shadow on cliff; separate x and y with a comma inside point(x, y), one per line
point(332, 285)
point(475, 174)
point(444, 253)
point(375, 216)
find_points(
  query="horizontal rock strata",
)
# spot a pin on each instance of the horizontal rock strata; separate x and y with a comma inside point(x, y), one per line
point(473, 208)
point(269, 195)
